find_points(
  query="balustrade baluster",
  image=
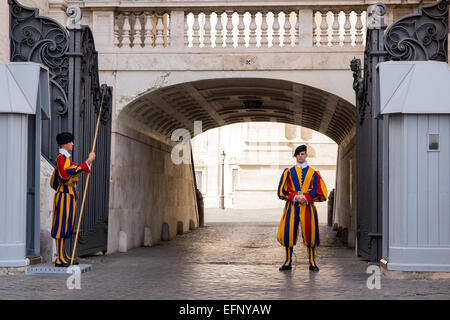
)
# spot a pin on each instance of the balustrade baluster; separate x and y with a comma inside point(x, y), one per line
point(195, 31)
point(148, 29)
point(241, 30)
point(296, 33)
point(359, 31)
point(287, 30)
point(126, 30)
point(186, 31)
point(219, 28)
point(316, 31)
point(276, 31)
point(252, 27)
point(364, 28)
point(324, 30)
point(137, 40)
point(347, 29)
point(159, 41)
point(229, 37)
point(335, 41)
point(167, 33)
point(207, 30)
point(116, 30)
point(264, 27)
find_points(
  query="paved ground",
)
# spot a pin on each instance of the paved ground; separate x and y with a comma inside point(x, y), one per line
point(224, 260)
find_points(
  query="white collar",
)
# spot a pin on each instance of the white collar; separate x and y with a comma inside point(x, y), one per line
point(302, 165)
point(64, 152)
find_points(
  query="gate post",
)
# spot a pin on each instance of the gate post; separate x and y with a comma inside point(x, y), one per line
point(369, 137)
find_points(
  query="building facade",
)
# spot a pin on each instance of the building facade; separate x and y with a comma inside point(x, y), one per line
point(255, 155)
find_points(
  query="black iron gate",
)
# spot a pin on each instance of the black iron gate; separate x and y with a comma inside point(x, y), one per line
point(75, 104)
point(415, 37)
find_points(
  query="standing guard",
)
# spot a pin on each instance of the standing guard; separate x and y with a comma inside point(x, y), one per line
point(64, 180)
point(300, 186)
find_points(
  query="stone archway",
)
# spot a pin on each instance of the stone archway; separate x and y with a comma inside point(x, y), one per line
point(218, 102)
point(162, 193)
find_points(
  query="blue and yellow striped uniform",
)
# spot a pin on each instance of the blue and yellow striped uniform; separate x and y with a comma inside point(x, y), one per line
point(311, 184)
point(63, 180)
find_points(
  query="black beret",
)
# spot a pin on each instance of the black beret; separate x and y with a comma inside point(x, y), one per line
point(64, 137)
point(299, 149)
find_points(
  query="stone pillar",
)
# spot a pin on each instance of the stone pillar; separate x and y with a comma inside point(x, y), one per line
point(305, 27)
point(177, 29)
point(4, 31)
point(103, 29)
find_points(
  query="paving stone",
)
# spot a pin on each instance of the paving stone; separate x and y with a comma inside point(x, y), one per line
point(238, 259)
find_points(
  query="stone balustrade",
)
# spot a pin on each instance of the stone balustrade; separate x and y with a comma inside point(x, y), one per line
point(219, 29)
point(138, 29)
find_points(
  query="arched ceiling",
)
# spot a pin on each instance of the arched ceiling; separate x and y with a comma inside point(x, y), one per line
point(220, 102)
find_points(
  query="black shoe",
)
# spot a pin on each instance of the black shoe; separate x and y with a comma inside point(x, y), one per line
point(284, 268)
point(313, 268)
point(62, 265)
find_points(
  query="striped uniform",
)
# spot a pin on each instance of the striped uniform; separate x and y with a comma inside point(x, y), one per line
point(311, 184)
point(64, 180)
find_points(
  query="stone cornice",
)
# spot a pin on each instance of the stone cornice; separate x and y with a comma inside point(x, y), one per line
point(181, 4)
point(59, 4)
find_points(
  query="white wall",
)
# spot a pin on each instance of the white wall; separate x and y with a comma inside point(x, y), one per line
point(419, 194)
point(344, 215)
point(47, 245)
point(147, 189)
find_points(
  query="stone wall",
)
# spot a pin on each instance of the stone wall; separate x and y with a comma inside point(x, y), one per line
point(147, 190)
point(47, 249)
point(344, 215)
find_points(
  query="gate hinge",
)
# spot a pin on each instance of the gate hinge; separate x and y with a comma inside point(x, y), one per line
point(74, 54)
point(375, 235)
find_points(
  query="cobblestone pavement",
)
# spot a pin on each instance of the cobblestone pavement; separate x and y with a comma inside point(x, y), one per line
point(224, 260)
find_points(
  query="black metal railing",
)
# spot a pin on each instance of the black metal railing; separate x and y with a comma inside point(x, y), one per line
point(75, 92)
point(415, 37)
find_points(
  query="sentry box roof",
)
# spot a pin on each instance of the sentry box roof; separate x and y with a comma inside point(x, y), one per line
point(415, 87)
point(24, 86)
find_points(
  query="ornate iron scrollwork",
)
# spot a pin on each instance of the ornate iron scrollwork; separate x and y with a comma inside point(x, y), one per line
point(375, 13)
point(421, 36)
point(91, 96)
point(74, 13)
point(41, 40)
point(106, 93)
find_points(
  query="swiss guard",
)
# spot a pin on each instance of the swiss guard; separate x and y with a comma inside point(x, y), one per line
point(64, 180)
point(300, 186)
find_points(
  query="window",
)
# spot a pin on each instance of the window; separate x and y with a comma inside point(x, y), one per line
point(235, 178)
point(433, 142)
point(199, 178)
